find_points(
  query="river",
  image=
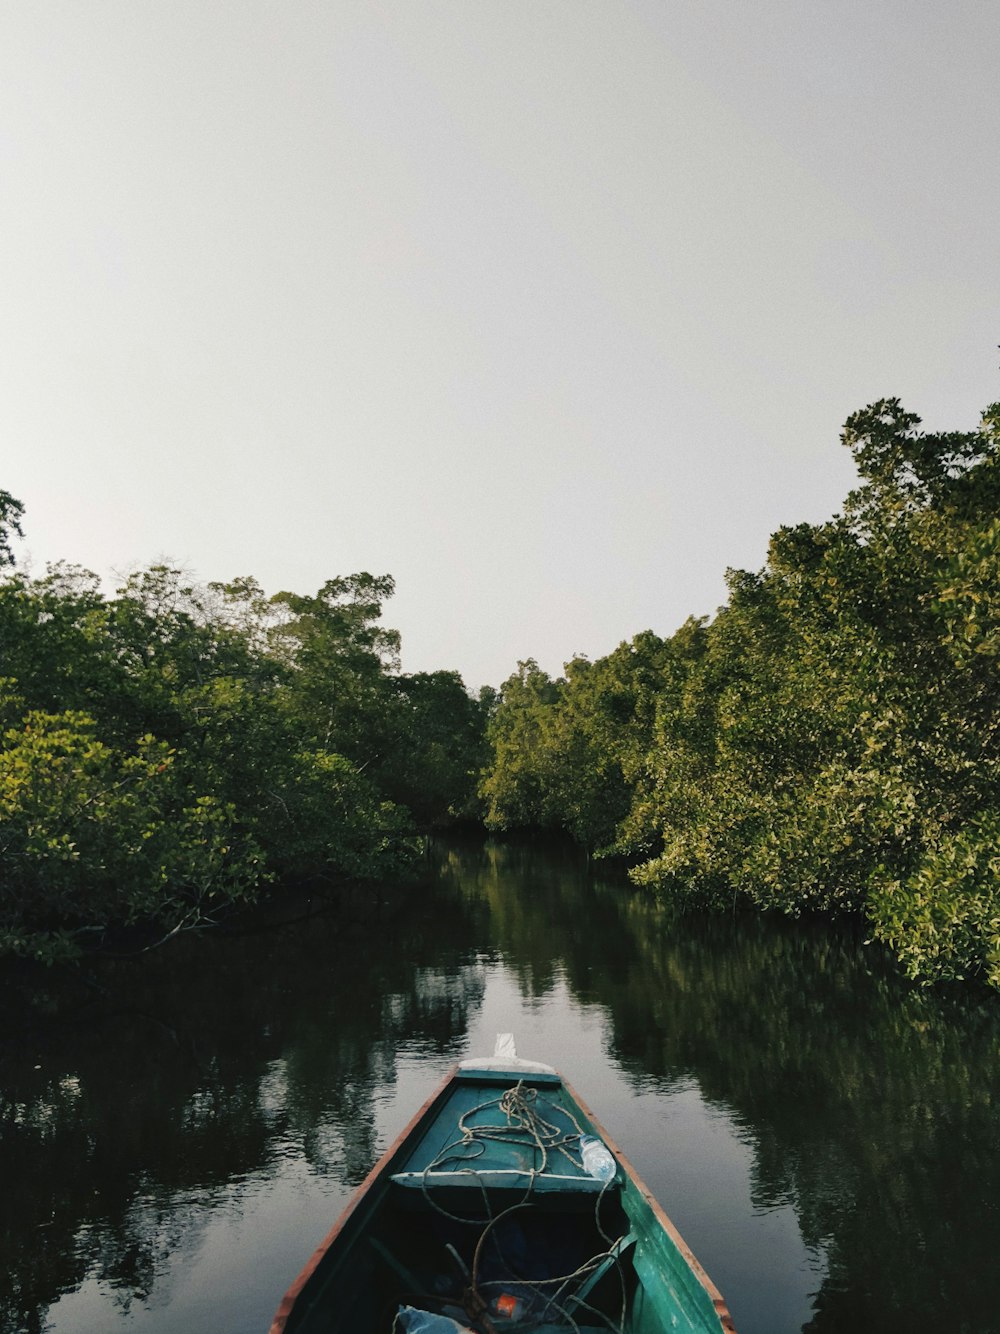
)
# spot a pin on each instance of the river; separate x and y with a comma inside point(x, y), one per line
point(176, 1134)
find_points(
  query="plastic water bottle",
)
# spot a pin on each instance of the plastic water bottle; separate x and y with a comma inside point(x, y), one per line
point(597, 1161)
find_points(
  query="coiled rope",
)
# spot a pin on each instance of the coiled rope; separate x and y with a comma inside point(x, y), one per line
point(523, 1126)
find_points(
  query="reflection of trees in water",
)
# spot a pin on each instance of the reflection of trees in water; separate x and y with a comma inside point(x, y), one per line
point(537, 912)
point(871, 1106)
point(191, 1070)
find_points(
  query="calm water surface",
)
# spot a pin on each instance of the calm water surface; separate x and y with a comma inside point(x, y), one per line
point(176, 1135)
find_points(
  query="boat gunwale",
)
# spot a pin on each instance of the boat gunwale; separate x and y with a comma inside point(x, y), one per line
point(360, 1193)
point(660, 1214)
point(381, 1167)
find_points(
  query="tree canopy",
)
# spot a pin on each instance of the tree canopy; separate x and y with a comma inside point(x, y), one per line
point(830, 741)
point(168, 751)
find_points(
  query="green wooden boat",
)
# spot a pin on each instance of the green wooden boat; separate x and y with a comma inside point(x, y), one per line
point(483, 1217)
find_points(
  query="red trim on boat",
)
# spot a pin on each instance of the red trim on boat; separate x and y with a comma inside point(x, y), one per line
point(290, 1297)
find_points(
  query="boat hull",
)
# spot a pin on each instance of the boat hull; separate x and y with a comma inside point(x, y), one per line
point(466, 1210)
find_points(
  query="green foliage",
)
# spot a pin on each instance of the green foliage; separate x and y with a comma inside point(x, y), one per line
point(830, 742)
point(339, 662)
point(515, 787)
point(567, 753)
point(11, 512)
point(334, 820)
point(167, 752)
point(437, 746)
point(91, 835)
point(943, 920)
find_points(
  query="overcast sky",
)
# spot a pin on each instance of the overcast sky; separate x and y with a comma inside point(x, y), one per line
point(552, 309)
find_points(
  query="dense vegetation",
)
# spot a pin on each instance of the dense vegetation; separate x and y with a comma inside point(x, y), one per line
point(166, 752)
point(829, 742)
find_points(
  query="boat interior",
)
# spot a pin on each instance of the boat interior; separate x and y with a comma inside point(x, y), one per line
point(494, 1259)
point(486, 1220)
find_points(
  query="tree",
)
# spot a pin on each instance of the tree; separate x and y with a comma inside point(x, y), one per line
point(340, 660)
point(516, 786)
point(11, 513)
point(437, 751)
point(831, 740)
point(93, 837)
point(162, 752)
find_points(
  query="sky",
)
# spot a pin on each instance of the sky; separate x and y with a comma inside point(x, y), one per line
point(551, 309)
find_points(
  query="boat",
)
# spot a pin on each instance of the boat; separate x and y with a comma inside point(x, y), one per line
point(483, 1217)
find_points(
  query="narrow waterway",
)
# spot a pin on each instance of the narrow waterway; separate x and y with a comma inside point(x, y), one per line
point(177, 1134)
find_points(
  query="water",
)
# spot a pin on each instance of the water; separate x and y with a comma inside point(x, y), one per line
point(176, 1135)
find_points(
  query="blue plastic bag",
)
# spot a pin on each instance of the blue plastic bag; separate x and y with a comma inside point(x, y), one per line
point(412, 1321)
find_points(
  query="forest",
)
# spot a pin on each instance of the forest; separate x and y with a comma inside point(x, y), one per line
point(827, 743)
point(175, 751)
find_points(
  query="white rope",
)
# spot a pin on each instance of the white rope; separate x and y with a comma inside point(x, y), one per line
point(523, 1126)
